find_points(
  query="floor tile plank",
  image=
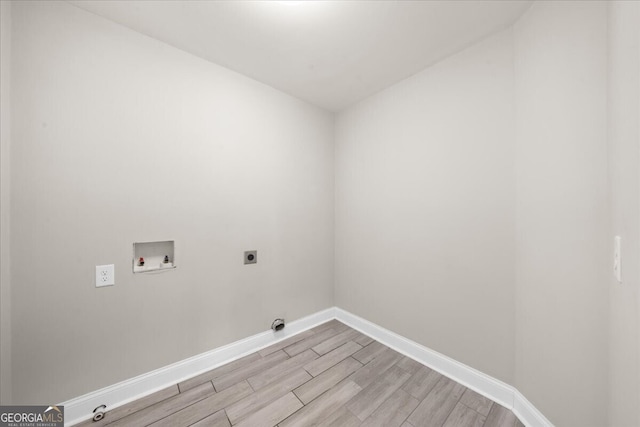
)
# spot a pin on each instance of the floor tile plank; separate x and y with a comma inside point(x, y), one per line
point(422, 382)
point(273, 413)
point(500, 416)
point(334, 324)
point(322, 407)
point(205, 407)
point(370, 352)
point(219, 419)
point(378, 366)
point(341, 418)
point(463, 416)
point(477, 402)
point(409, 365)
point(281, 369)
point(394, 411)
point(241, 374)
point(286, 342)
point(330, 359)
point(266, 395)
point(371, 397)
point(309, 342)
point(329, 378)
point(336, 341)
point(363, 340)
point(438, 404)
point(166, 407)
point(218, 372)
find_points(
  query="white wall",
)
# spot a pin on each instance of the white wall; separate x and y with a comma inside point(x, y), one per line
point(461, 232)
point(118, 138)
point(624, 179)
point(425, 233)
point(5, 135)
point(563, 248)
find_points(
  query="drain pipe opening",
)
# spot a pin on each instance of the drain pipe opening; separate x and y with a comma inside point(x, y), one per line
point(277, 325)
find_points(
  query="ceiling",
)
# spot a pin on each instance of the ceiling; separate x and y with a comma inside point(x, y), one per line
point(329, 53)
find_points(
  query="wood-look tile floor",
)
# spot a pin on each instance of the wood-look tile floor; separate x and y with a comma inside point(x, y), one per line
point(330, 375)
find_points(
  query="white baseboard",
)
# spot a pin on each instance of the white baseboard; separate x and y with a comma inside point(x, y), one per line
point(496, 390)
point(487, 386)
point(528, 413)
point(81, 408)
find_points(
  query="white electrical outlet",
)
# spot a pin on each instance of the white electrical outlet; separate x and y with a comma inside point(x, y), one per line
point(617, 260)
point(105, 275)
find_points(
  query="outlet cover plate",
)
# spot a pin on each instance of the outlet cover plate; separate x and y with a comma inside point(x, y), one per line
point(105, 275)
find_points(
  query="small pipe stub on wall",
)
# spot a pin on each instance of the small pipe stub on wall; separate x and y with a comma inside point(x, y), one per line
point(277, 325)
point(98, 413)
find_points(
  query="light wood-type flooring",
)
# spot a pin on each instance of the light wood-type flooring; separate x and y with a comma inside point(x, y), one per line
point(330, 375)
